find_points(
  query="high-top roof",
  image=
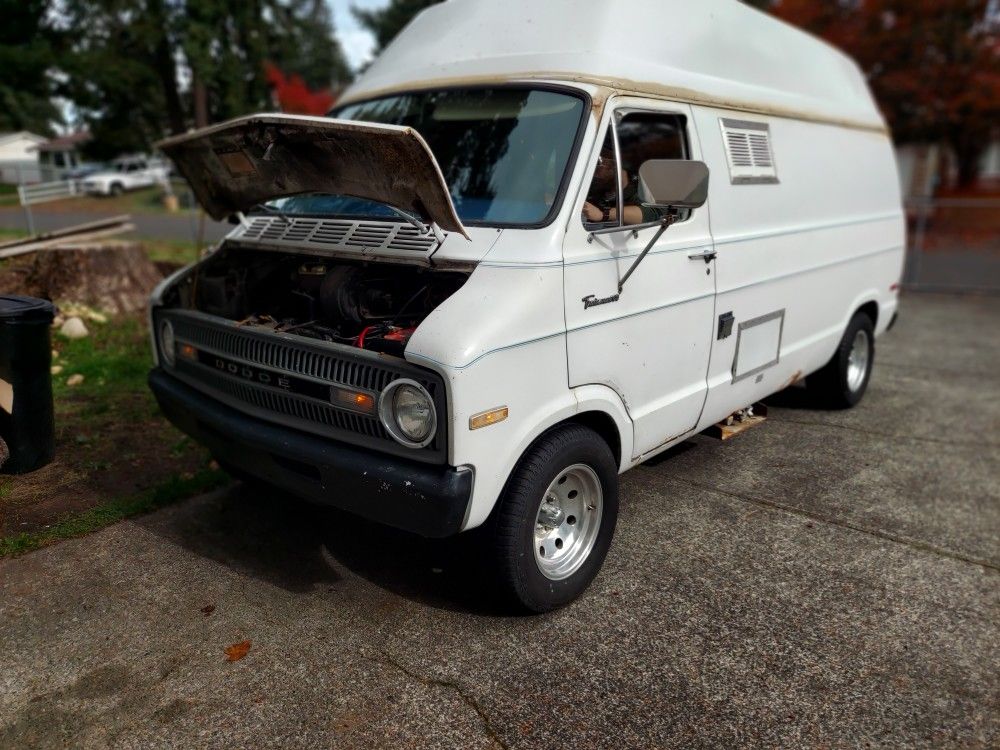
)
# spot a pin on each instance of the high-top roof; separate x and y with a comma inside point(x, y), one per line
point(720, 52)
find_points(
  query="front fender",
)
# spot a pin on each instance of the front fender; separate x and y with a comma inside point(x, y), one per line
point(531, 381)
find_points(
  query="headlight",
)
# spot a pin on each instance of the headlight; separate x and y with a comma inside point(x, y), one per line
point(167, 342)
point(407, 412)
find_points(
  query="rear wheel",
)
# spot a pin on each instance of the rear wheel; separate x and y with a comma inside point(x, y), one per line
point(842, 383)
point(555, 520)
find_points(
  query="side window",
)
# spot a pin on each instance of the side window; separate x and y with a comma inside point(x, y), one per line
point(601, 206)
point(641, 136)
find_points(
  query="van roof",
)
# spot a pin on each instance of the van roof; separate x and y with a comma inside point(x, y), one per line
point(718, 52)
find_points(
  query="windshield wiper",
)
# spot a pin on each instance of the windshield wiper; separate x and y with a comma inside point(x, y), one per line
point(431, 228)
point(272, 210)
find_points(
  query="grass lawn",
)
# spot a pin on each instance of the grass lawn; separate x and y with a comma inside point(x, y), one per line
point(8, 195)
point(170, 251)
point(116, 456)
point(11, 234)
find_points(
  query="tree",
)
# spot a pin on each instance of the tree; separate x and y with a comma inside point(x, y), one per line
point(295, 96)
point(389, 21)
point(934, 65)
point(302, 46)
point(27, 55)
point(138, 69)
point(114, 73)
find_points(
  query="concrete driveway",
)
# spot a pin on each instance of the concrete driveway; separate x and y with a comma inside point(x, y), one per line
point(825, 580)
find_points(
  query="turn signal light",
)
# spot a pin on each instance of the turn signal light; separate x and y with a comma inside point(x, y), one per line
point(486, 418)
point(354, 400)
point(187, 351)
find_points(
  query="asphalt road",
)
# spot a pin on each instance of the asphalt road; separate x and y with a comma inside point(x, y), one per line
point(181, 226)
point(824, 580)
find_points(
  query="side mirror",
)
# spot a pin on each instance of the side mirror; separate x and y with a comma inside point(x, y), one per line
point(673, 183)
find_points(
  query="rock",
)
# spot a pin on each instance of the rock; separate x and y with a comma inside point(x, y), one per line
point(74, 328)
point(84, 312)
point(75, 379)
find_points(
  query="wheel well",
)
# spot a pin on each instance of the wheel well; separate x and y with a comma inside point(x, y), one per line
point(603, 425)
point(871, 310)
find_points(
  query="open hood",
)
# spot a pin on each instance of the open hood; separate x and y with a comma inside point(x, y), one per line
point(238, 164)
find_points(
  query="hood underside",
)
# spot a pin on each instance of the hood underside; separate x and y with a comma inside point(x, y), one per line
point(239, 164)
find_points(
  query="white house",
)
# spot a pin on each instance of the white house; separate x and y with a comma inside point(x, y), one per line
point(19, 157)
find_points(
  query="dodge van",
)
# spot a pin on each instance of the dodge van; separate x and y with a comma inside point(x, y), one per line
point(531, 248)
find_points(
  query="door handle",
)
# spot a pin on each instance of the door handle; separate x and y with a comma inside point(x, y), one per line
point(707, 256)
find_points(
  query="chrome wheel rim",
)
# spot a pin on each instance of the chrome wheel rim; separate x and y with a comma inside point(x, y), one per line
point(568, 521)
point(857, 361)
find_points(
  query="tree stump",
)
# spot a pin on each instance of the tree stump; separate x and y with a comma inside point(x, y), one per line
point(113, 276)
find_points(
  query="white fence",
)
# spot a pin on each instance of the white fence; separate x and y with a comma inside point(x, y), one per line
point(41, 192)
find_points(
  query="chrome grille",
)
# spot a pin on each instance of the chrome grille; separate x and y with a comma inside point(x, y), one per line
point(269, 400)
point(367, 236)
point(299, 357)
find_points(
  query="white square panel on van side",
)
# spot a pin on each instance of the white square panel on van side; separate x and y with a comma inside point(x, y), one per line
point(758, 345)
point(749, 152)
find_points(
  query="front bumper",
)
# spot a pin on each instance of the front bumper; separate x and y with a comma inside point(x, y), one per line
point(427, 500)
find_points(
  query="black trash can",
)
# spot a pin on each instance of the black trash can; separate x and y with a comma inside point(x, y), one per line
point(26, 422)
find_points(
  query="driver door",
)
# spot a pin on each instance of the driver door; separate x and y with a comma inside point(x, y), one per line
point(650, 343)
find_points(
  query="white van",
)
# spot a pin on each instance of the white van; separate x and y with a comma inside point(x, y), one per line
point(532, 247)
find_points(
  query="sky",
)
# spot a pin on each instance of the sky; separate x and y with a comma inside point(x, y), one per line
point(354, 40)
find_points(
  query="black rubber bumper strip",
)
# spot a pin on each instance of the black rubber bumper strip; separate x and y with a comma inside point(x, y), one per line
point(426, 500)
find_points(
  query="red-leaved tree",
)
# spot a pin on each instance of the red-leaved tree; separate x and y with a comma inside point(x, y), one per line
point(934, 65)
point(294, 96)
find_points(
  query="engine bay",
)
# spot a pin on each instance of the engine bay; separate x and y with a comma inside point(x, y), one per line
point(374, 306)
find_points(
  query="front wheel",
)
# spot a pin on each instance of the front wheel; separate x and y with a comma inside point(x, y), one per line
point(843, 381)
point(555, 520)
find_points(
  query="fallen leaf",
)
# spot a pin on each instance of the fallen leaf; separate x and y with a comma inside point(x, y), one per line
point(73, 380)
point(237, 651)
point(208, 609)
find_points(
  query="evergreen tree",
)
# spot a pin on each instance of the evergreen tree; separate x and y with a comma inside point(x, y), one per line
point(138, 69)
point(389, 21)
point(27, 55)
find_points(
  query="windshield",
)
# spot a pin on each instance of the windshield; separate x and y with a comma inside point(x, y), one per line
point(503, 152)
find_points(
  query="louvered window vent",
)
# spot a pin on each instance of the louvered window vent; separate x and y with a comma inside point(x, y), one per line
point(749, 151)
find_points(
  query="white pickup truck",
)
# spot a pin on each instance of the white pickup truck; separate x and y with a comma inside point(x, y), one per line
point(129, 173)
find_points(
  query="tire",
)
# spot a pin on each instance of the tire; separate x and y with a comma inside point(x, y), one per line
point(536, 570)
point(842, 383)
point(116, 189)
